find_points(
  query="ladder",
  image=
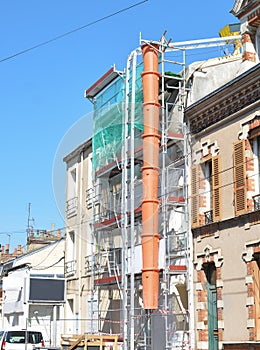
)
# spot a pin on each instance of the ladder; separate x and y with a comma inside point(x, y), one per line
point(174, 197)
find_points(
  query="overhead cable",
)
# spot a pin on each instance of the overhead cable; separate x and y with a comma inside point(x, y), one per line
point(71, 31)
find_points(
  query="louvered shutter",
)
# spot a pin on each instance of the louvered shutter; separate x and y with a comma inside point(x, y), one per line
point(216, 187)
point(240, 190)
point(195, 196)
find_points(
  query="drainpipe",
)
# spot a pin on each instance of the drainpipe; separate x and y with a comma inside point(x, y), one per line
point(150, 177)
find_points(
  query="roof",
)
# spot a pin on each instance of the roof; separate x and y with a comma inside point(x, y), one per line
point(76, 151)
point(17, 262)
point(102, 82)
point(256, 67)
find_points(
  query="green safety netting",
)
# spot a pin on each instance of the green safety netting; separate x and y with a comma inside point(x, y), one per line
point(109, 120)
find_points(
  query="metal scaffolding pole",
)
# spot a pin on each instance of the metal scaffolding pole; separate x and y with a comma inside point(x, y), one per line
point(124, 211)
point(132, 204)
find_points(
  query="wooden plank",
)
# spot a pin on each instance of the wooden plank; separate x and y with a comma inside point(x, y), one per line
point(75, 343)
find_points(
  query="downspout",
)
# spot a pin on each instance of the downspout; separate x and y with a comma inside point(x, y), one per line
point(78, 247)
point(150, 176)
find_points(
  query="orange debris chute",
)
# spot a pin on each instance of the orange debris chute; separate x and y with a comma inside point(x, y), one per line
point(150, 176)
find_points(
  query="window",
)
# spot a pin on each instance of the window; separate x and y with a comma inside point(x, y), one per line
point(207, 174)
point(70, 265)
point(72, 180)
point(206, 192)
point(19, 337)
point(246, 174)
point(72, 199)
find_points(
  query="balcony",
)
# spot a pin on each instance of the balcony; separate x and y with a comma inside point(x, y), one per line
point(89, 197)
point(71, 207)
point(105, 264)
point(70, 268)
point(256, 200)
point(91, 264)
point(208, 217)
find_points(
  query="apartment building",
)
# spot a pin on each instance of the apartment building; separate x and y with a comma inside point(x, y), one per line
point(225, 197)
point(225, 212)
point(79, 241)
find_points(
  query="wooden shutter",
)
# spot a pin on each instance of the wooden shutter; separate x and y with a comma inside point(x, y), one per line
point(194, 196)
point(216, 187)
point(240, 190)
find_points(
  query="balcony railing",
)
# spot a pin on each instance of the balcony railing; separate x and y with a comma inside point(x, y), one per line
point(70, 268)
point(108, 262)
point(89, 197)
point(72, 207)
point(208, 217)
point(256, 202)
point(91, 263)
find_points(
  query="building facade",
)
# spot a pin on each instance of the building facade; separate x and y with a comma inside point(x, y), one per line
point(225, 211)
point(151, 247)
point(224, 127)
point(34, 291)
point(79, 239)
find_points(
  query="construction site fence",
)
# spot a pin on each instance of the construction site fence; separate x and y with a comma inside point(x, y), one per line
point(177, 325)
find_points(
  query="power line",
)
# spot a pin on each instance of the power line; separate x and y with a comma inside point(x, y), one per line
point(71, 31)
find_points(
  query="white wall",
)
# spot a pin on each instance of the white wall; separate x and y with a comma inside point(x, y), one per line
point(17, 311)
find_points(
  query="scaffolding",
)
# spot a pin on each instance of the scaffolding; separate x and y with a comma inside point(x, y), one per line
point(114, 265)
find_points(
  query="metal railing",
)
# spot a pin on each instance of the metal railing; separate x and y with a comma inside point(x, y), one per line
point(208, 217)
point(71, 207)
point(70, 268)
point(256, 200)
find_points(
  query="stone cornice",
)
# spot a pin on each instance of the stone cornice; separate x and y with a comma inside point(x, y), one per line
point(246, 9)
point(231, 98)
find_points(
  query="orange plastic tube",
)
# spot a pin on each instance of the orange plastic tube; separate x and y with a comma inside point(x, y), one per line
point(150, 177)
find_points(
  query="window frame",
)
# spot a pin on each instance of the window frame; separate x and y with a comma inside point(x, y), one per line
point(214, 197)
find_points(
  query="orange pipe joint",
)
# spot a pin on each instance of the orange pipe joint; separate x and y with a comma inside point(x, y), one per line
point(150, 273)
point(150, 55)
point(150, 281)
point(150, 75)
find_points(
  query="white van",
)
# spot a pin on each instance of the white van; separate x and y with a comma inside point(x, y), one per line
point(20, 339)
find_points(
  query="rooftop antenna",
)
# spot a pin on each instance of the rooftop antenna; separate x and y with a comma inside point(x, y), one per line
point(29, 220)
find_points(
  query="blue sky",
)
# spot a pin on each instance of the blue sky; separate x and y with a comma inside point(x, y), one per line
point(42, 91)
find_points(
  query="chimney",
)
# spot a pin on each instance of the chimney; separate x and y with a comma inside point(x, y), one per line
point(249, 53)
point(7, 248)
